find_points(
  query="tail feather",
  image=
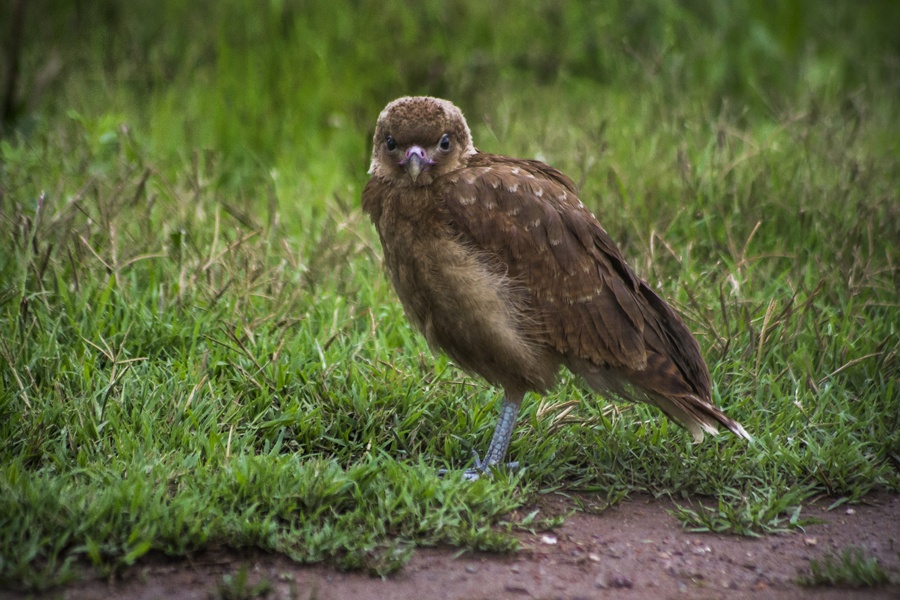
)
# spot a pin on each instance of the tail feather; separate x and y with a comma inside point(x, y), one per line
point(688, 410)
point(696, 415)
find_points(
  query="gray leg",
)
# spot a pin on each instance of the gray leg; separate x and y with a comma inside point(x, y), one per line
point(502, 432)
point(502, 436)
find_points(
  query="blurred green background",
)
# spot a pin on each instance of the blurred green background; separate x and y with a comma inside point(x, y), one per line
point(284, 84)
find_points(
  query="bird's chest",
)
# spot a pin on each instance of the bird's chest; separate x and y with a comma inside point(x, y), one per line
point(444, 285)
point(464, 305)
point(418, 254)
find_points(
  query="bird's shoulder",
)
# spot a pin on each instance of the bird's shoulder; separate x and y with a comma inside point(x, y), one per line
point(528, 211)
point(511, 170)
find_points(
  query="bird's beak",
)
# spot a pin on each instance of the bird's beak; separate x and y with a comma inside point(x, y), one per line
point(416, 161)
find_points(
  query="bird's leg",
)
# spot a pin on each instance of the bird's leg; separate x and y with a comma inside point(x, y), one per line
point(499, 443)
point(502, 432)
point(502, 436)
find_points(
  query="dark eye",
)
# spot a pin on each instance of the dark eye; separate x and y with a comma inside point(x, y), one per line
point(445, 142)
point(390, 143)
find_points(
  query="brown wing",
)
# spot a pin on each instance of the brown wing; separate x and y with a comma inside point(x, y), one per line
point(583, 300)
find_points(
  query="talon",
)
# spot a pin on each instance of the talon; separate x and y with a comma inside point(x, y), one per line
point(468, 474)
point(478, 470)
point(474, 474)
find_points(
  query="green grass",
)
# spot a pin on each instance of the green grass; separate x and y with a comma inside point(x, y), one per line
point(772, 509)
point(198, 346)
point(848, 568)
point(236, 586)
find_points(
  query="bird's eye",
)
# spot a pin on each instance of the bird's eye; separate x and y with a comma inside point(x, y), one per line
point(390, 143)
point(445, 142)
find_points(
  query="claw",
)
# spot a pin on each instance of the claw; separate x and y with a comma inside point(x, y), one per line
point(480, 468)
point(474, 474)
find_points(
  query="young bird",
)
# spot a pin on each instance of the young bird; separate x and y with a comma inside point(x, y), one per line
point(500, 265)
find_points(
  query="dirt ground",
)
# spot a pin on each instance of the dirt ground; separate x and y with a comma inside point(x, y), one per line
point(634, 550)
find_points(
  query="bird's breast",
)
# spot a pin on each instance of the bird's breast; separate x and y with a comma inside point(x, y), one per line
point(463, 304)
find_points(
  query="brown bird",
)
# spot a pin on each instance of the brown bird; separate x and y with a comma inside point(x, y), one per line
point(500, 265)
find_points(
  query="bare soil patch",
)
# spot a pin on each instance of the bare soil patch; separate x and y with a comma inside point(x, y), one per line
point(633, 550)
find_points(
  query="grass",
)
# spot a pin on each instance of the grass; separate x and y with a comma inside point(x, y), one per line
point(773, 509)
point(236, 586)
point(848, 568)
point(198, 346)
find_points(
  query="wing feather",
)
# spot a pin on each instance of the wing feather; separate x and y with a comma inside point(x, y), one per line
point(582, 298)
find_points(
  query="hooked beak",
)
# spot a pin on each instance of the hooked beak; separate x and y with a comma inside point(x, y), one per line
point(416, 161)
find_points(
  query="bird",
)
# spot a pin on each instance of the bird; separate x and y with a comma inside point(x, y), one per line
point(501, 266)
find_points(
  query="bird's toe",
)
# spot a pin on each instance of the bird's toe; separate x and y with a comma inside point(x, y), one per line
point(481, 468)
point(474, 474)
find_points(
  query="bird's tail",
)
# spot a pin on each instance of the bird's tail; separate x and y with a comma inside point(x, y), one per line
point(696, 415)
point(687, 409)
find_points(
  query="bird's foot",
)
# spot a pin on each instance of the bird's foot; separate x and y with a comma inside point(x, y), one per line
point(481, 468)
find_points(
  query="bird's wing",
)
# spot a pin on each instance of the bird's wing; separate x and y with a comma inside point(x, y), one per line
point(584, 301)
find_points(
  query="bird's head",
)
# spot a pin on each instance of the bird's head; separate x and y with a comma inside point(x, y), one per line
point(419, 138)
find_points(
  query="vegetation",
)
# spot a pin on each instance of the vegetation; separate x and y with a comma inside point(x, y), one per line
point(849, 568)
point(236, 586)
point(197, 344)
